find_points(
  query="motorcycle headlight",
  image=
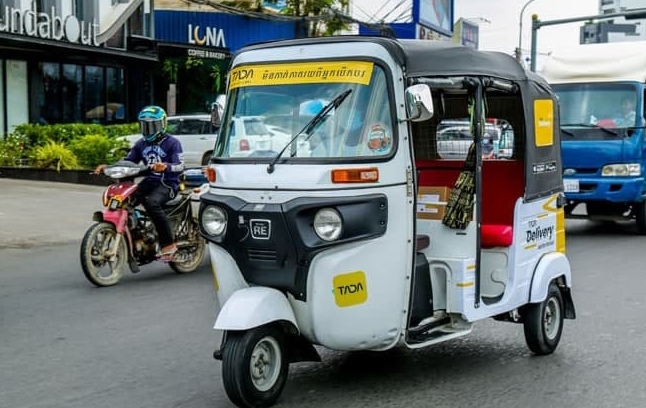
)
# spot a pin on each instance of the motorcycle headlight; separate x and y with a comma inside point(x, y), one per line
point(214, 220)
point(619, 170)
point(117, 172)
point(328, 224)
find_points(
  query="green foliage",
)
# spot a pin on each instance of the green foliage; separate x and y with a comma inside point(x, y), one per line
point(13, 150)
point(329, 25)
point(46, 145)
point(92, 150)
point(216, 75)
point(54, 155)
point(170, 69)
point(121, 129)
point(192, 62)
point(39, 135)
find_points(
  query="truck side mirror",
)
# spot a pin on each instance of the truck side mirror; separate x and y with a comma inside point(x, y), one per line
point(419, 103)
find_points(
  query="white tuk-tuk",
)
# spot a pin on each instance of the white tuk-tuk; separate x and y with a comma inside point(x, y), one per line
point(368, 239)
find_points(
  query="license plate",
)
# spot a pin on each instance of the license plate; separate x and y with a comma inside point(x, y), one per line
point(571, 185)
point(262, 145)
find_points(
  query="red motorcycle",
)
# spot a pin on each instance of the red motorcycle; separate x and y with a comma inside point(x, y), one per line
point(124, 234)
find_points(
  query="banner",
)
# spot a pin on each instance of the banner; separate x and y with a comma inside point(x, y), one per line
point(357, 72)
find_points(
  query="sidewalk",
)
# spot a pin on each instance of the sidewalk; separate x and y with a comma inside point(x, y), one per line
point(36, 213)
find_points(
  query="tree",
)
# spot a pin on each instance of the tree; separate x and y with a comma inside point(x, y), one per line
point(319, 8)
point(323, 17)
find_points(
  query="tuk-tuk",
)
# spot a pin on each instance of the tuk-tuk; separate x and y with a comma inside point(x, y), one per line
point(356, 234)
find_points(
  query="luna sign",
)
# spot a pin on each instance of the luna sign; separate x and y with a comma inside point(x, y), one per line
point(39, 24)
point(209, 36)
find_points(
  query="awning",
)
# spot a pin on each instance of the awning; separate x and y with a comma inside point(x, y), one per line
point(53, 48)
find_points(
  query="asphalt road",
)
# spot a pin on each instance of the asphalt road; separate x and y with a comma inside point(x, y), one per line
point(147, 342)
point(45, 213)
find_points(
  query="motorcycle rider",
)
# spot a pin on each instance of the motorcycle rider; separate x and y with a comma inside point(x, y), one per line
point(162, 152)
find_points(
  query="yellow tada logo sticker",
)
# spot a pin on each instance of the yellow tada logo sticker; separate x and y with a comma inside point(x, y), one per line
point(350, 289)
point(352, 72)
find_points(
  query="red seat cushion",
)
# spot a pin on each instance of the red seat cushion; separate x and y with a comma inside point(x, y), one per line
point(495, 235)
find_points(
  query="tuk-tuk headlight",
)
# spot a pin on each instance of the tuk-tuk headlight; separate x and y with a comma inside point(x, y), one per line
point(214, 220)
point(328, 224)
point(619, 170)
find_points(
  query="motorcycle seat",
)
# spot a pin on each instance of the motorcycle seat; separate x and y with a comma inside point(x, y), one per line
point(174, 201)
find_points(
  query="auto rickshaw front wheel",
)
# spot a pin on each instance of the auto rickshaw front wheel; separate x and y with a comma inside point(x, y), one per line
point(543, 322)
point(254, 366)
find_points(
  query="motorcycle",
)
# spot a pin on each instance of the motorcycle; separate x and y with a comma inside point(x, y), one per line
point(124, 234)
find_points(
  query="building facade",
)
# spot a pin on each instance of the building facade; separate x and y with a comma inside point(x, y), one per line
point(100, 61)
point(65, 61)
point(195, 48)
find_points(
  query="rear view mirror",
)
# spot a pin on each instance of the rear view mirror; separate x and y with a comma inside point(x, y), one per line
point(419, 103)
point(217, 110)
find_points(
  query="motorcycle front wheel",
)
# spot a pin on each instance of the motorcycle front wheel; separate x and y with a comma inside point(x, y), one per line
point(103, 260)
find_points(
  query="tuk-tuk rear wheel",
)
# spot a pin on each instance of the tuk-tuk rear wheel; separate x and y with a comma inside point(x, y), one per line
point(255, 366)
point(543, 322)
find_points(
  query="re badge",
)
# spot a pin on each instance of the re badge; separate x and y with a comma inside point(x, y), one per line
point(350, 289)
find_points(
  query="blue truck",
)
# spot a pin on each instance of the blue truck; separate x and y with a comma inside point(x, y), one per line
point(601, 91)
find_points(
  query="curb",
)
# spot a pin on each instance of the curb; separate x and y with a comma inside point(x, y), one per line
point(63, 176)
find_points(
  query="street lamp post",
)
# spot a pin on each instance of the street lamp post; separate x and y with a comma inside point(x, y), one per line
point(519, 50)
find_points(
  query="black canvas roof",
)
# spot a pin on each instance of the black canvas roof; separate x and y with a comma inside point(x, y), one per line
point(431, 58)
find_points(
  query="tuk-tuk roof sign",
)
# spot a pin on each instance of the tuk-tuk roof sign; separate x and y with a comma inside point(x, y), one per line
point(358, 72)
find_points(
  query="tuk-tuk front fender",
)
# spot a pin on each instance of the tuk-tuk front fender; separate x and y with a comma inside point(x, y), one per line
point(253, 307)
point(549, 267)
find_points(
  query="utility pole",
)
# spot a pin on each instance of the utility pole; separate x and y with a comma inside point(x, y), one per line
point(519, 50)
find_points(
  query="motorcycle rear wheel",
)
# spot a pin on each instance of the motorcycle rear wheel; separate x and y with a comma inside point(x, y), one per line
point(97, 241)
point(194, 256)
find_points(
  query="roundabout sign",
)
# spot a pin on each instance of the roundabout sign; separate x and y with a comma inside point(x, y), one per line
point(39, 24)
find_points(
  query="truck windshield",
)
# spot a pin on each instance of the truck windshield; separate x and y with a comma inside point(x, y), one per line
point(282, 98)
point(588, 111)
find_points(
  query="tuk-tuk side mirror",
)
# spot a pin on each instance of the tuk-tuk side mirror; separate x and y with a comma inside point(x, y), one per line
point(419, 103)
point(217, 109)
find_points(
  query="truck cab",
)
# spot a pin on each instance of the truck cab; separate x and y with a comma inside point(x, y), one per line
point(601, 106)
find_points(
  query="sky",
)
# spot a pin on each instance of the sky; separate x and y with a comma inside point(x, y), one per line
point(498, 20)
point(502, 33)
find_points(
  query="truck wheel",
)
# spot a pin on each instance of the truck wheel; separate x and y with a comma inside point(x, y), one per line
point(640, 217)
point(543, 322)
point(254, 366)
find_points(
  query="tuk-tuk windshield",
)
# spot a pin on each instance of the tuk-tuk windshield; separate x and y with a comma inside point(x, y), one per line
point(265, 112)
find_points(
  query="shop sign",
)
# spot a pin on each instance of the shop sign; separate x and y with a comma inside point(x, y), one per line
point(39, 24)
point(199, 53)
point(209, 36)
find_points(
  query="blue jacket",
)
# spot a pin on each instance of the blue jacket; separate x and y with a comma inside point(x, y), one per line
point(168, 151)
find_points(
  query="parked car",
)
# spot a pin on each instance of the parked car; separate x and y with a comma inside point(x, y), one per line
point(454, 139)
point(250, 136)
point(194, 132)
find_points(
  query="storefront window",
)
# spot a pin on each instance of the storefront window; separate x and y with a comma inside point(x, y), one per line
point(72, 93)
point(17, 102)
point(2, 131)
point(117, 40)
point(94, 94)
point(136, 22)
point(85, 9)
point(48, 94)
point(116, 95)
